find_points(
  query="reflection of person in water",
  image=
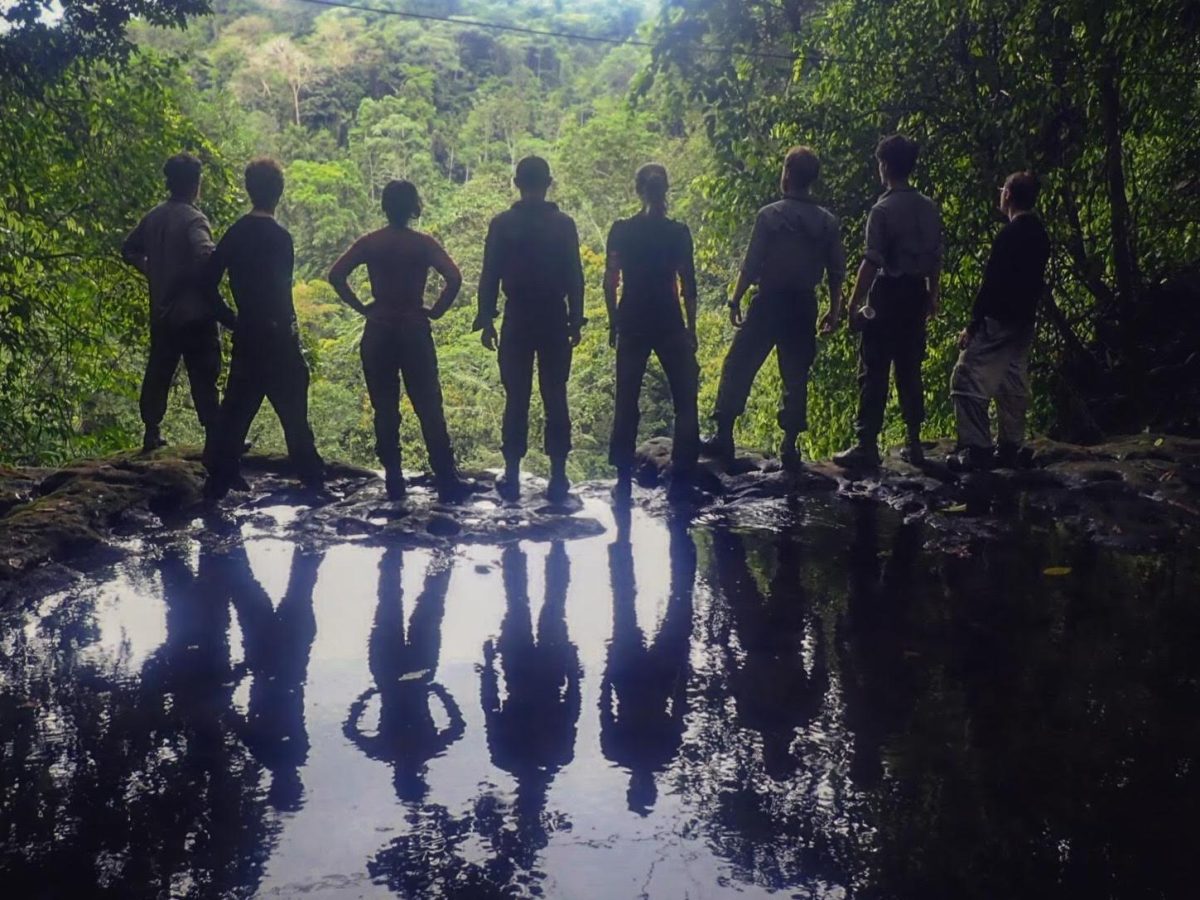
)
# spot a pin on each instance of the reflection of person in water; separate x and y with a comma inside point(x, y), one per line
point(877, 682)
point(774, 692)
point(403, 666)
point(531, 732)
point(643, 696)
point(277, 643)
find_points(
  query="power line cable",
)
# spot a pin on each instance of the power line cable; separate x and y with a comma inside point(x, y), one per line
point(541, 32)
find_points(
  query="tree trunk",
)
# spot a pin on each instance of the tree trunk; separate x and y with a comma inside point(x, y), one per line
point(1124, 263)
point(296, 100)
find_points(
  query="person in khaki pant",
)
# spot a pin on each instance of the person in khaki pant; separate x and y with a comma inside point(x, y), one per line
point(994, 358)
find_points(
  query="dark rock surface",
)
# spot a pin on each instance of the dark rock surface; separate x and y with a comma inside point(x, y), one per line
point(1139, 493)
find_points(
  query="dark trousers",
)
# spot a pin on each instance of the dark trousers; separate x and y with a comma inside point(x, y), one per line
point(788, 326)
point(551, 348)
point(270, 368)
point(388, 354)
point(894, 339)
point(675, 352)
point(200, 348)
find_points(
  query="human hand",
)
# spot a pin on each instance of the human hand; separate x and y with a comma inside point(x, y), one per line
point(964, 338)
point(735, 315)
point(488, 337)
point(612, 336)
point(435, 312)
point(830, 321)
point(574, 335)
point(935, 306)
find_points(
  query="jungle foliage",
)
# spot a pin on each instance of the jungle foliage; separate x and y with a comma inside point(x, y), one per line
point(1099, 98)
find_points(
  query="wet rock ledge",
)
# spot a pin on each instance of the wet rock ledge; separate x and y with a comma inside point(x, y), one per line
point(1139, 492)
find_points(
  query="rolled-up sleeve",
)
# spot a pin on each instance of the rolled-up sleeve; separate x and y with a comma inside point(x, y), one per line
point(876, 252)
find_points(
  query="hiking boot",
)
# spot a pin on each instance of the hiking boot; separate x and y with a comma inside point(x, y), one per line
point(719, 447)
point(913, 453)
point(453, 489)
point(215, 489)
point(680, 488)
point(971, 459)
point(860, 456)
point(152, 440)
point(558, 489)
point(509, 488)
point(1008, 456)
point(789, 458)
point(396, 486)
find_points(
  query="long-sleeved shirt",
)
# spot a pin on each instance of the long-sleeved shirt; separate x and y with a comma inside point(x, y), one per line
point(654, 255)
point(1014, 280)
point(258, 254)
point(532, 253)
point(793, 244)
point(171, 245)
point(904, 234)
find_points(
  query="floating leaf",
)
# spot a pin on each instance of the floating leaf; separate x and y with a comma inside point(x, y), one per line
point(1057, 570)
point(1158, 443)
point(959, 508)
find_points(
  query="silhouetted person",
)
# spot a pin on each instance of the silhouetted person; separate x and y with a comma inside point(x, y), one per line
point(531, 731)
point(902, 270)
point(643, 693)
point(170, 246)
point(794, 243)
point(404, 666)
point(277, 644)
point(773, 691)
point(397, 339)
point(532, 253)
point(258, 254)
point(649, 257)
point(995, 345)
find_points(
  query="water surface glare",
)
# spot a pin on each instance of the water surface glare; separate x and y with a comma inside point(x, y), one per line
point(806, 703)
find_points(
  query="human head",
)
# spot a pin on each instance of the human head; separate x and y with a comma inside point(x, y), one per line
point(532, 177)
point(801, 167)
point(264, 183)
point(1020, 192)
point(897, 157)
point(182, 172)
point(652, 184)
point(401, 203)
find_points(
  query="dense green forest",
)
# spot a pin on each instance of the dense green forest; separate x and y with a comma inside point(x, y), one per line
point(1099, 97)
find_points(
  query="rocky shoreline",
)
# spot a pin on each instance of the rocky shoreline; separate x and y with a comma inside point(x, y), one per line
point(1140, 493)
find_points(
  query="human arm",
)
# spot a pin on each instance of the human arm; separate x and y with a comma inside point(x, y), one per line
point(489, 289)
point(440, 262)
point(750, 271)
point(687, 276)
point(210, 284)
point(133, 250)
point(575, 286)
point(339, 276)
point(835, 267)
point(612, 282)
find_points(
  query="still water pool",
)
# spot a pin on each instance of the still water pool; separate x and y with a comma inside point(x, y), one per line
point(806, 703)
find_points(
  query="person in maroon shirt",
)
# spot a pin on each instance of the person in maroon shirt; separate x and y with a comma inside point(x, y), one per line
point(397, 340)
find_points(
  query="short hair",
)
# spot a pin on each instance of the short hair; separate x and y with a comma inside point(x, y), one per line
point(264, 182)
point(899, 154)
point(652, 183)
point(1023, 189)
point(182, 172)
point(532, 173)
point(801, 167)
point(401, 202)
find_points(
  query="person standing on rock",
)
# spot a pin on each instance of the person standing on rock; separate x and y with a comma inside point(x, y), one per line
point(532, 254)
point(170, 246)
point(994, 358)
point(901, 269)
point(794, 243)
point(267, 362)
point(649, 257)
point(397, 339)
